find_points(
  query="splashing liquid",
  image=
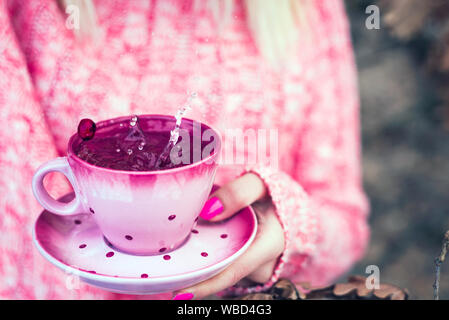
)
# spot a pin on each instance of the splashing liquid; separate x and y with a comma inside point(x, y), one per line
point(128, 147)
point(174, 134)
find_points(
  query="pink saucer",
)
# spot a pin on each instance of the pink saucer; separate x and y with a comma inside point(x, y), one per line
point(76, 245)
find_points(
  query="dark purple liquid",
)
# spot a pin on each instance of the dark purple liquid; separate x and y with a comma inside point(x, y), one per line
point(136, 148)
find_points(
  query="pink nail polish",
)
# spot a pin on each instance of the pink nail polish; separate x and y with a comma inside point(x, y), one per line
point(212, 207)
point(184, 296)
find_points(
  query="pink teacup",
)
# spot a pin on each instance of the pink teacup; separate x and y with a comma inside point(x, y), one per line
point(138, 212)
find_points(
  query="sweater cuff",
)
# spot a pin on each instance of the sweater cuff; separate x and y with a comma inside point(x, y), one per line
point(298, 222)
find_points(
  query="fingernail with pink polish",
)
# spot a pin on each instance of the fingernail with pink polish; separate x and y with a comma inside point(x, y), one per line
point(212, 207)
point(184, 296)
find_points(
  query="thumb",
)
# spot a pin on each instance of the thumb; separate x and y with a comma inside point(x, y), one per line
point(233, 196)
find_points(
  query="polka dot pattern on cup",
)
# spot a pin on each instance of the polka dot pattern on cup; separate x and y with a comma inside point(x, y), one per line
point(98, 258)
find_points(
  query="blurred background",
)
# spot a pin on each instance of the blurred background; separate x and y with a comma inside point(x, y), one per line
point(403, 68)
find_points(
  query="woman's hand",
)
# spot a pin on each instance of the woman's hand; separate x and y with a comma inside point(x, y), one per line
point(258, 262)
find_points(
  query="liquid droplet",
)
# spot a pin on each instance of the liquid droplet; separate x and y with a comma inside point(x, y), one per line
point(133, 121)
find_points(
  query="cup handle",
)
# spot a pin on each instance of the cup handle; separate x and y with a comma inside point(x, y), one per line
point(56, 165)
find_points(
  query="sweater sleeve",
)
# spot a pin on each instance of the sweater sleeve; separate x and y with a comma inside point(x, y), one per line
point(25, 143)
point(320, 203)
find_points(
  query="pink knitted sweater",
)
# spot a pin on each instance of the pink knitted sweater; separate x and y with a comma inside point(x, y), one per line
point(147, 55)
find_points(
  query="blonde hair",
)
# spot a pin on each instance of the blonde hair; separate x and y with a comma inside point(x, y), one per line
point(274, 25)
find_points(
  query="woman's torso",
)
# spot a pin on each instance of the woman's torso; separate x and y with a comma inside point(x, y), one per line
point(148, 56)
